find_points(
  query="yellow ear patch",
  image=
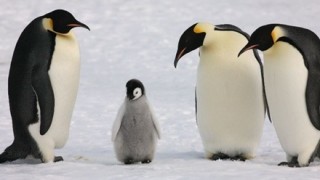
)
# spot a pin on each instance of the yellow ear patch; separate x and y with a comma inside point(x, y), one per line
point(47, 24)
point(201, 27)
point(276, 33)
point(198, 29)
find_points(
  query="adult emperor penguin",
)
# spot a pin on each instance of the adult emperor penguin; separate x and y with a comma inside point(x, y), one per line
point(136, 129)
point(43, 84)
point(229, 100)
point(292, 76)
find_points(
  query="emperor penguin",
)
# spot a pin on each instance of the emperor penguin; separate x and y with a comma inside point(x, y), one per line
point(230, 107)
point(292, 81)
point(43, 84)
point(136, 129)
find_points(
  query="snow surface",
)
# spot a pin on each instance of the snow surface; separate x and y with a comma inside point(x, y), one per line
point(138, 39)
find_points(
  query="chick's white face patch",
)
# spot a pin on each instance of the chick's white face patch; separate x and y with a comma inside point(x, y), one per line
point(137, 92)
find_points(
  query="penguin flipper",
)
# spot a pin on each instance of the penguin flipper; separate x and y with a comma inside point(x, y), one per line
point(155, 121)
point(313, 98)
point(117, 122)
point(229, 27)
point(266, 105)
point(195, 104)
point(42, 88)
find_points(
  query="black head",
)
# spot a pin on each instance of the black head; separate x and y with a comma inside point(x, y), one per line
point(135, 89)
point(190, 40)
point(63, 21)
point(260, 39)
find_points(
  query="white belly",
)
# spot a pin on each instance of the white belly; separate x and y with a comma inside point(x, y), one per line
point(285, 80)
point(230, 103)
point(64, 76)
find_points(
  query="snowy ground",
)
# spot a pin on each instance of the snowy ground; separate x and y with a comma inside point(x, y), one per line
point(138, 39)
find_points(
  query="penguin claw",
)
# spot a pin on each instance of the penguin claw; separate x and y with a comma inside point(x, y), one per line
point(289, 164)
point(218, 156)
point(128, 161)
point(293, 165)
point(223, 156)
point(147, 161)
point(283, 164)
point(239, 158)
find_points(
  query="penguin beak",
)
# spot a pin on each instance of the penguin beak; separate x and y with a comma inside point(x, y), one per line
point(78, 24)
point(247, 47)
point(179, 54)
point(130, 96)
point(189, 41)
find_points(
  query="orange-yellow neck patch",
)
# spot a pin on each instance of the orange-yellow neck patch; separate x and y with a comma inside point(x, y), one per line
point(47, 24)
point(201, 27)
point(276, 33)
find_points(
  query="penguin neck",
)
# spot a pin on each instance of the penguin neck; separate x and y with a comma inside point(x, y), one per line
point(136, 105)
point(48, 25)
point(136, 101)
point(221, 46)
point(304, 40)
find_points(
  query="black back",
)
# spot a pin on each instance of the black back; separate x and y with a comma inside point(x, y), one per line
point(29, 81)
point(306, 42)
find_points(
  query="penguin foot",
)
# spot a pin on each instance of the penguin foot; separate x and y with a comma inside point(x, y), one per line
point(283, 164)
point(58, 158)
point(218, 156)
point(238, 158)
point(289, 164)
point(147, 161)
point(128, 161)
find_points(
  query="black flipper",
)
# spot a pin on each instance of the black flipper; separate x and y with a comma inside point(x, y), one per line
point(266, 105)
point(44, 92)
point(313, 98)
point(195, 103)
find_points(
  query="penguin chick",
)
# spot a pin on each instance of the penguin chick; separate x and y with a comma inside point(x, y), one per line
point(135, 130)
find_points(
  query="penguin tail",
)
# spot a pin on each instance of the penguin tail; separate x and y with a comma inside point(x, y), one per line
point(5, 157)
point(14, 152)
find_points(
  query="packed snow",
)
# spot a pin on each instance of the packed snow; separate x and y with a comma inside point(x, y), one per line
point(138, 39)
